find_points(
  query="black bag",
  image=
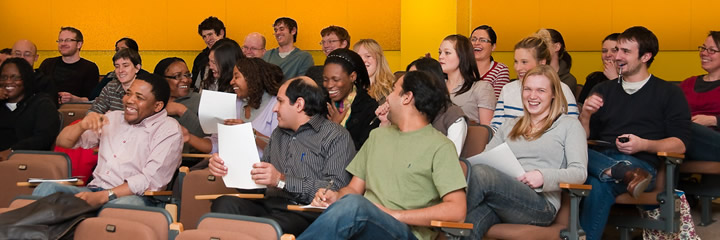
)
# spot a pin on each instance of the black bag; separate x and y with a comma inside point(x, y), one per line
point(51, 217)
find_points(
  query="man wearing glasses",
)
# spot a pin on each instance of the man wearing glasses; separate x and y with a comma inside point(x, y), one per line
point(74, 77)
point(26, 49)
point(293, 61)
point(334, 37)
point(254, 45)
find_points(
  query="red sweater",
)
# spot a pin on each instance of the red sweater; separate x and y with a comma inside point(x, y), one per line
point(706, 103)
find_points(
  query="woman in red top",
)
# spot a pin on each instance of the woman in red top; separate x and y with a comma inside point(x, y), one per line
point(703, 95)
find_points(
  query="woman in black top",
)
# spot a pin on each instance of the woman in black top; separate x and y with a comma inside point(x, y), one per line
point(346, 80)
point(28, 118)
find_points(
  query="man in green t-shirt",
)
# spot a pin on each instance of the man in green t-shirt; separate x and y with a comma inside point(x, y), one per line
point(404, 176)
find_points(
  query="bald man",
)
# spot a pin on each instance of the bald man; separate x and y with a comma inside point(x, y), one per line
point(26, 49)
point(254, 45)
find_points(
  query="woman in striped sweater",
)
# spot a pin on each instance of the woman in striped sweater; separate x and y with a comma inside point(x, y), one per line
point(483, 39)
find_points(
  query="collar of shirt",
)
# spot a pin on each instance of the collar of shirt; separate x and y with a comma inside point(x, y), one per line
point(314, 123)
point(152, 120)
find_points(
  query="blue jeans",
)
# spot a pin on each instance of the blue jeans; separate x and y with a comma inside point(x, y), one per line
point(355, 217)
point(704, 144)
point(595, 208)
point(494, 197)
point(48, 188)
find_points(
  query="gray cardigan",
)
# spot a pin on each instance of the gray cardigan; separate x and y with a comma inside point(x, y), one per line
point(560, 154)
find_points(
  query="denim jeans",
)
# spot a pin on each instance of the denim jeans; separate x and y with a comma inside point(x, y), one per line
point(48, 188)
point(494, 197)
point(355, 217)
point(704, 144)
point(595, 208)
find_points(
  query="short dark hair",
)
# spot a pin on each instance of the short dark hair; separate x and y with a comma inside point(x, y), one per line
point(340, 32)
point(160, 86)
point(646, 40)
point(6, 51)
point(430, 97)
point(715, 35)
point(164, 64)
point(132, 44)
point(212, 23)
point(128, 53)
point(27, 74)
point(611, 37)
point(290, 24)
point(489, 30)
point(78, 34)
point(227, 52)
point(350, 62)
point(315, 96)
point(429, 65)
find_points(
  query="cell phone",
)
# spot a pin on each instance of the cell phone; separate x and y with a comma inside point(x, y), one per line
point(624, 139)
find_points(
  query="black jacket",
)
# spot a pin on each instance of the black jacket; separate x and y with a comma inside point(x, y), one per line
point(51, 217)
point(362, 118)
point(34, 125)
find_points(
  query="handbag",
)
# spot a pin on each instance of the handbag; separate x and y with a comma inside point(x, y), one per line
point(687, 226)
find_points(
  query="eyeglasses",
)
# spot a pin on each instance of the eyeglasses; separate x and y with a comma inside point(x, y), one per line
point(180, 76)
point(11, 77)
point(328, 42)
point(482, 40)
point(709, 50)
point(20, 54)
point(67, 40)
point(246, 48)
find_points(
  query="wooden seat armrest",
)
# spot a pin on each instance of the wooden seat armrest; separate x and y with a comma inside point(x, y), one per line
point(196, 155)
point(287, 236)
point(240, 195)
point(300, 208)
point(458, 225)
point(575, 186)
point(73, 183)
point(158, 193)
point(672, 157)
point(184, 169)
point(177, 227)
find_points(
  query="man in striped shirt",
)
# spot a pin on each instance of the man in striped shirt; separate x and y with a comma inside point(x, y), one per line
point(306, 152)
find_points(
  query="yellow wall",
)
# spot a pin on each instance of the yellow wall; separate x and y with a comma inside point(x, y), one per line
point(406, 29)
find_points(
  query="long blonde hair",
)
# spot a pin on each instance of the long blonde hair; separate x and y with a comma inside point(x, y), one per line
point(557, 107)
point(384, 78)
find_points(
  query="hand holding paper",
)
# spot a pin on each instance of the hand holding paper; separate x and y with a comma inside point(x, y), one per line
point(236, 147)
point(214, 108)
point(501, 158)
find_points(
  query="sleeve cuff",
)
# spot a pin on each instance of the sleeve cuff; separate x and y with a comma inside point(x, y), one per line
point(138, 184)
point(293, 184)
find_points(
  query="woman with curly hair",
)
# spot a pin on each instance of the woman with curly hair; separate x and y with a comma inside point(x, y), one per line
point(381, 77)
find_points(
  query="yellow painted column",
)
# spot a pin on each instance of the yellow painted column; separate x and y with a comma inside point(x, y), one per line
point(423, 25)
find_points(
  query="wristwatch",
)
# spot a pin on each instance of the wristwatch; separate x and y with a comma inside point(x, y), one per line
point(111, 195)
point(281, 184)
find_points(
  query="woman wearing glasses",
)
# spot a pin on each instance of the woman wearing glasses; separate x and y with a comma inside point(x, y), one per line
point(483, 39)
point(28, 118)
point(183, 103)
point(702, 93)
point(256, 84)
point(127, 64)
point(476, 98)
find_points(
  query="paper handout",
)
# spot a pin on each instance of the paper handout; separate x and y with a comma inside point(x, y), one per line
point(236, 147)
point(214, 108)
point(501, 158)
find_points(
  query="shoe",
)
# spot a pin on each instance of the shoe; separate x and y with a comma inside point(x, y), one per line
point(637, 180)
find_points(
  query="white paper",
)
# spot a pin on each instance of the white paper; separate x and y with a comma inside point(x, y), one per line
point(236, 147)
point(41, 180)
point(312, 207)
point(501, 158)
point(214, 108)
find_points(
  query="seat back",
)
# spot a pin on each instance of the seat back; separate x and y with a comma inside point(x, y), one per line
point(19, 201)
point(73, 111)
point(198, 182)
point(231, 226)
point(526, 231)
point(478, 136)
point(22, 164)
point(117, 221)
